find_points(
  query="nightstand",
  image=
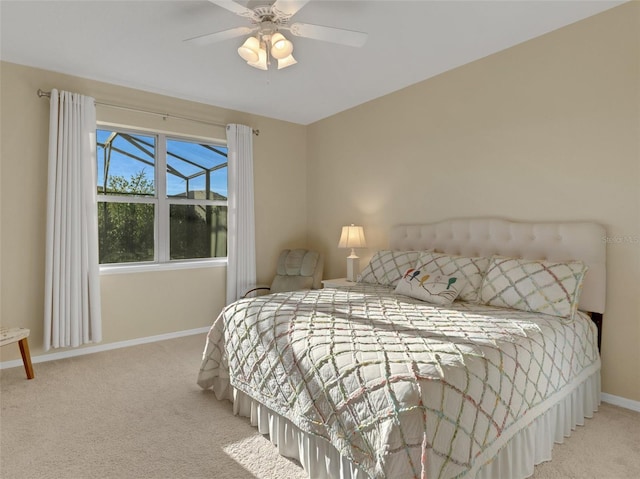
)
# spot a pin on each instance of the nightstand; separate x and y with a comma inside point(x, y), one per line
point(338, 283)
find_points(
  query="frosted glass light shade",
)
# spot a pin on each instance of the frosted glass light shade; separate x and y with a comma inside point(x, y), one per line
point(261, 63)
point(286, 62)
point(281, 48)
point(249, 51)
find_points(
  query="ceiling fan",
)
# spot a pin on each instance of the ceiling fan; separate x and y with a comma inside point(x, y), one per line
point(267, 22)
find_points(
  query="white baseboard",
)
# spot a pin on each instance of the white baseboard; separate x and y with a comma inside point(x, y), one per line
point(620, 401)
point(104, 347)
point(608, 398)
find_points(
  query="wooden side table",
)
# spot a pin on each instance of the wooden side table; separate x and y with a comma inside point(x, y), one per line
point(19, 335)
point(338, 283)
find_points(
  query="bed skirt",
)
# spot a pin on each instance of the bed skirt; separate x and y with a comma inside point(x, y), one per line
point(515, 460)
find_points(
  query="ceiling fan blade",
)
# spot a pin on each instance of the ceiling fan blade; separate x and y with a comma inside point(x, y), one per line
point(329, 34)
point(209, 38)
point(288, 8)
point(236, 8)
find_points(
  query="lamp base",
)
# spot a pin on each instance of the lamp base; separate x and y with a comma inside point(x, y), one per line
point(353, 268)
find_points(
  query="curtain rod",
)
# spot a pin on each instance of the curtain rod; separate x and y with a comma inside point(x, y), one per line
point(47, 94)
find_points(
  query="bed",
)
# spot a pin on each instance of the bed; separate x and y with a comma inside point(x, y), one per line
point(374, 381)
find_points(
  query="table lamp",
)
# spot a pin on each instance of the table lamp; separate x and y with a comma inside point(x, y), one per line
point(352, 237)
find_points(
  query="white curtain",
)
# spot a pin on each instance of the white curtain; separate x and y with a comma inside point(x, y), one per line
point(72, 282)
point(241, 267)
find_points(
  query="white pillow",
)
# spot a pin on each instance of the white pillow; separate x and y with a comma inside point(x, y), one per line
point(387, 267)
point(432, 288)
point(538, 286)
point(470, 269)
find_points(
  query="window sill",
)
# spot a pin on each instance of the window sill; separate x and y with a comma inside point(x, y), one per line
point(149, 267)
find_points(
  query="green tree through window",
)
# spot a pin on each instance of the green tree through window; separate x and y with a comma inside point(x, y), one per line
point(126, 230)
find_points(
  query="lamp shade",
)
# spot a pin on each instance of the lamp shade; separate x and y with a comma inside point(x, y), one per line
point(286, 62)
point(352, 237)
point(249, 51)
point(261, 62)
point(280, 47)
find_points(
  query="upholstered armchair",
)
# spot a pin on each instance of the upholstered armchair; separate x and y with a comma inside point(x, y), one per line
point(297, 269)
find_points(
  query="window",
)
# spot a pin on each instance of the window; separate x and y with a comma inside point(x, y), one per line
point(160, 198)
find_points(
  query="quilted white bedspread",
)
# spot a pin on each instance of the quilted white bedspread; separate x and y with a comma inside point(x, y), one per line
point(402, 388)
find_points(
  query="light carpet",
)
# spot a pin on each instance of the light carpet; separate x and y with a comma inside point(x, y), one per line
point(138, 413)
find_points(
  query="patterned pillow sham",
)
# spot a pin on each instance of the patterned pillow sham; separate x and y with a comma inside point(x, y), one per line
point(387, 267)
point(537, 286)
point(432, 288)
point(470, 269)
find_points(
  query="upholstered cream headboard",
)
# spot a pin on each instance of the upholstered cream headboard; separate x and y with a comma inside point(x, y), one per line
point(489, 236)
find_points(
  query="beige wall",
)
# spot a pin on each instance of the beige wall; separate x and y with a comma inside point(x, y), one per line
point(142, 304)
point(547, 130)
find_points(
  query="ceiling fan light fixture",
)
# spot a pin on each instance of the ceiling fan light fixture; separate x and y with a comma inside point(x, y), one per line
point(261, 62)
point(266, 41)
point(250, 50)
point(280, 47)
point(286, 62)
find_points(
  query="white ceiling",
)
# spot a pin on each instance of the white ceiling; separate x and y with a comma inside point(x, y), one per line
point(139, 44)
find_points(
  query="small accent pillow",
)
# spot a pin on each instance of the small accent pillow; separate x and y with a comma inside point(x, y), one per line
point(537, 286)
point(470, 269)
point(432, 288)
point(387, 267)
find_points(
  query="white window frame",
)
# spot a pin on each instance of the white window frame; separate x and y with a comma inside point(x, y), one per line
point(162, 203)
